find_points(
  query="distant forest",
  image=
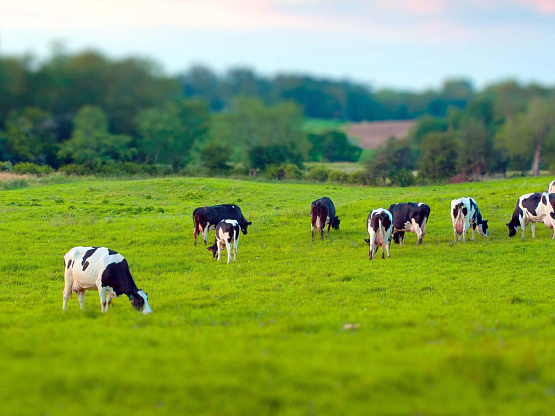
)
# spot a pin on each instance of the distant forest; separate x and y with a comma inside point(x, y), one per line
point(86, 109)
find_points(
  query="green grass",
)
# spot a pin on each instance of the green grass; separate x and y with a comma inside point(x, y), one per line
point(319, 126)
point(347, 167)
point(444, 328)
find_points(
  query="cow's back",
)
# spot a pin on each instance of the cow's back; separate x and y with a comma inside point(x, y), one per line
point(88, 263)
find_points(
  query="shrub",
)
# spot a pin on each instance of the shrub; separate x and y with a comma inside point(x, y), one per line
point(337, 176)
point(6, 166)
point(402, 177)
point(75, 169)
point(318, 174)
point(283, 171)
point(360, 177)
point(32, 168)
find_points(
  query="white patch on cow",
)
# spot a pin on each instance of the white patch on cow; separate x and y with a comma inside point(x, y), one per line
point(146, 308)
point(551, 188)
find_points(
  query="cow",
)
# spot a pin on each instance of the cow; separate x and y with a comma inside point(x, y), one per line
point(227, 232)
point(465, 213)
point(532, 208)
point(322, 213)
point(102, 269)
point(206, 219)
point(380, 227)
point(551, 188)
point(409, 216)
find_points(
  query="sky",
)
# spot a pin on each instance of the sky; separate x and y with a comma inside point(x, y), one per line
point(400, 44)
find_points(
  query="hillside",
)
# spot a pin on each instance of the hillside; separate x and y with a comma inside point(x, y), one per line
point(373, 134)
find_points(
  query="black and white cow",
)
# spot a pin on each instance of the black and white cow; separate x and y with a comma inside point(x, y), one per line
point(102, 269)
point(322, 213)
point(551, 187)
point(380, 227)
point(206, 219)
point(532, 208)
point(465, 213)
point(409, 216)
point(227, 232)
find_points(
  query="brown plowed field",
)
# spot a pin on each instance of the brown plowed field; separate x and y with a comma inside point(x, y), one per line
point(374, 133)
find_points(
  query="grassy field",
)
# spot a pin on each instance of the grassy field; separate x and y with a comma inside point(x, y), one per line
point(319, 125)
point(445, 329)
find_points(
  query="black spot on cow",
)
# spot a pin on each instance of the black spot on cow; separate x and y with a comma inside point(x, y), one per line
point(544, 199)
point(89, 253)
point(69, 264)
point(112, 252)
point(118, 277)
point(531, 203)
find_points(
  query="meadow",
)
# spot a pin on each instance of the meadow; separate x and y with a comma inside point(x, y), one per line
point(438, 329)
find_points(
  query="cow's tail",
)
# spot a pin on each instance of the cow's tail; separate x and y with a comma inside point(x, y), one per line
point(318, 224)
point(196, 226)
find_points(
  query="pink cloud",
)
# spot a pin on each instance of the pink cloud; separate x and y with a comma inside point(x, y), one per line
point(546, 6)
point(414, 6)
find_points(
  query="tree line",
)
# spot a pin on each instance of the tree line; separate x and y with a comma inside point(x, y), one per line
point(86, 109)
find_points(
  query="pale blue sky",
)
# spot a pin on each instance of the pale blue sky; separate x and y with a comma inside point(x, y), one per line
point(412, 44)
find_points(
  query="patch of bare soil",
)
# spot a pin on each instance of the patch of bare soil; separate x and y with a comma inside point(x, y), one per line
point(374, 133)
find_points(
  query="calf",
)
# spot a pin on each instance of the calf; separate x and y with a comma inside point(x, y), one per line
point(465, 213)
point(411, 217)
point(532, 208)
point(206, 219)
point(102, 269)
point(322, 213)
point(551, 188)
point(227, 232)
point(380, 226)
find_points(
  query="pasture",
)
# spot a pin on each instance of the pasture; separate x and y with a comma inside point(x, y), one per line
point(442, 328)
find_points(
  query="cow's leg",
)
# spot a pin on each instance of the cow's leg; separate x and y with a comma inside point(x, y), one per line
point(205, 233)
point(102, 296)
point(387, 248)
point(68, 284)
point(81, 297)
point(473, 231)
point(228, 247)
point(372, 250)
point(235, 244)
point(533, 228)
point(329, 225)
point(312, 230)
point(383, 251)
point(108, 301)
point(455, 233)
point(322, 233)
point(401, 237)
point(219, 250)
point(195, 233)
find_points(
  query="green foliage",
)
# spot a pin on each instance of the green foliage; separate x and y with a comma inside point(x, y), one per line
point(475, 148)
point(91, 142)
point(169, 134)
point(337, 176)
point(402, 178)
point(283, 171)
point(262, 156)
point(439, 153)
point(293, 327)
point(318, 174)
point(425, 126)
point(389, 159)
point(6, 166)
point(32, 168)
point(215, 157)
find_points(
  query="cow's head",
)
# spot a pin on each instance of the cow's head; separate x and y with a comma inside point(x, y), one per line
point(214, 249)
point(139, 301)
point(512, 229)
point(335, 223)
point(483, 228)
point(244, 226)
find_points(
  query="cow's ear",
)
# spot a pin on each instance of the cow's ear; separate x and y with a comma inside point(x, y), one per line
point(249, 223)
point(131, 297)
point(367, 240)
point(507, 224)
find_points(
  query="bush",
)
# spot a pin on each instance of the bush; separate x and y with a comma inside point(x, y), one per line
point(402, 177)
point(283, 171)
point(6, 166)
point(75, 169)
point(33, 169)
point(360, 177)
point(337, 176)
point(318, 174)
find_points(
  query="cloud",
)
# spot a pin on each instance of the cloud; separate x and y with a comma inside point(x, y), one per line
point(545, 6)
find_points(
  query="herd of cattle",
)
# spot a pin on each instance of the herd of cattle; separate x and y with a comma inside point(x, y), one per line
point(102, 269)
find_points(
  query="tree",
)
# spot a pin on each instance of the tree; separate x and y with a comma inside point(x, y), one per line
point(91, 143)
point(170, 133)
point(215, 157)
point(475, 145)
point(438, 156)
point(30, 137)
point(390, 159)
point(525, 134)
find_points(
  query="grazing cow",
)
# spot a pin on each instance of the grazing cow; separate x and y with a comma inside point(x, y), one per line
point(465, 213)
point(102, 269)
point(380, 226)
point(551, 188)
point(411, 217)
point(322, 213)
point(227, 232)
point(206, 219)
point(532, 208)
